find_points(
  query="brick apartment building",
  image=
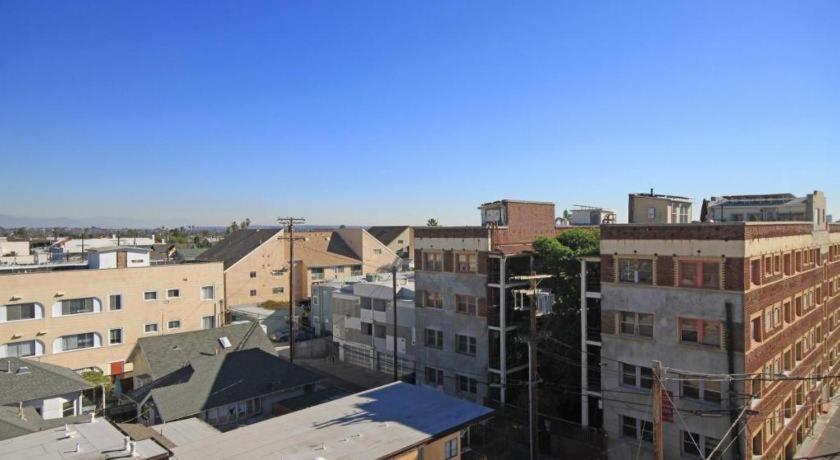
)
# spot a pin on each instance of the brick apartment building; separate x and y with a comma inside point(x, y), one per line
point(757, 301)
point(467, 313)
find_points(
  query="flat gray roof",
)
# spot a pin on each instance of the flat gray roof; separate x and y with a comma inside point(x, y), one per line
point(187, 431)
point(372, 424)
point(97, 440)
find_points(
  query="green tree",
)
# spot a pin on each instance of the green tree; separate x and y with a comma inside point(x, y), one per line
point(559, 257)
point(432, 222)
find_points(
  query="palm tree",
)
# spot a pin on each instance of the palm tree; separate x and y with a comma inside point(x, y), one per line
point(432, 222)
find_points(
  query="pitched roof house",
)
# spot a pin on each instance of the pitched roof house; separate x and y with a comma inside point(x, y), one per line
point(256, 262)
point(35, 396)
point(223, 376)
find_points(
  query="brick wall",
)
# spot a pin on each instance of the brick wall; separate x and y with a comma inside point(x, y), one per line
point(607, 268)
point(450, 232)
point(736, 273)
point(665, 271)
point(526, 222)
point(729, 231)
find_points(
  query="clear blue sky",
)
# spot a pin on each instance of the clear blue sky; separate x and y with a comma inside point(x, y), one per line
point(392, 112)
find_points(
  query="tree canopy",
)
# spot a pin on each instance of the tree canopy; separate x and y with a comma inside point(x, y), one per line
point(432, 222)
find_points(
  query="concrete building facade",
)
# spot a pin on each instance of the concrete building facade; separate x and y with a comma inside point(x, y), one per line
point(467, 312)
point(363, 322)
point(743, 317)
point(767, 208)
point(80, 317)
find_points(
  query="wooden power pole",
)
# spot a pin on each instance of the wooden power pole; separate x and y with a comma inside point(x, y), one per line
point(658, 445)
point(289, 223)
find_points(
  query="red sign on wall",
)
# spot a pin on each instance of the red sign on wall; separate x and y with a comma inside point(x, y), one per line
point(667, 407)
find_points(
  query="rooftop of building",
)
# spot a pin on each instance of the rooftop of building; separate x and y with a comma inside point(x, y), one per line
point(28, 380)
point(386, 234)
point(710, 230)
point(168, 353)
point(88, 440)
point(661, 196)
point(238, 245)
point(769, 199)
point(506, 201)
point(376, 423)
point(120, 248)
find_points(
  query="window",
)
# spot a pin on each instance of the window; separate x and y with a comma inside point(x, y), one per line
point(208, 322)
point(637, 429)
point(434, 376)
point(77, 341)
point(367, 328)
point(433, 299)
point(636, 376)
point(379, 304)
point(208, 293)
point(433, 261)
point(467, 385)
point(434, 338)
point(253, 274)
point(466, 304)
point(466, 263)
point(757, 331)
point(280, 290)
point(316, 273)
point(465, 344)
point(755, 272)
point(21, 311)
point(702, 390)
point(700, 274)
point(150, 295)
point(20, 349)
point(173, 293)
point(788, 266)
point(377, 252)
point(115, 336)
point(339, 269)
point(450, 449)
point(640, 324)
point(379, 331)
point(115, 302)
point(788, 312)
point(701, 332)
point(253, 292)
point(150, 328)
point(757, 444)
point(68, 409)
point(76, 306)
point(693, 441)
point(639, 271)
point(174, 324)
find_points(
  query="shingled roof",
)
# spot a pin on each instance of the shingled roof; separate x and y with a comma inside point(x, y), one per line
point(24, 380)
point(214, 381)
point(171, 352)
point(387, 234)
point(238, 245)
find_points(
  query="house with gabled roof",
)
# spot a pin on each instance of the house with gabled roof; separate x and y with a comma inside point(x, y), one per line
point(224, 376)
point(35, 396)
point(256, 262)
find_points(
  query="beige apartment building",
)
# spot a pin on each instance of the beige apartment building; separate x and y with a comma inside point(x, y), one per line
point(90, 315)
point(652, 208)
point(256, 261)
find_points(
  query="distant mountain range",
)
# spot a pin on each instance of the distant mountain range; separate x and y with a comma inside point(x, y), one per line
point(7, 221)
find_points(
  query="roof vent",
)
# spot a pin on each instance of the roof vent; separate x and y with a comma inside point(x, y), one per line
point(22, 370)
point(225, 342)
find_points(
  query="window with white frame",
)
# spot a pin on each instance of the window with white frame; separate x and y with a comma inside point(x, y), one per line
point(465, 344)
point(638, 271)
point(150, 295)
point(467, 384)
point(700, 331)
point(208, 293)
point(23, 311)
point(77, 306)
point(77, 341)
point(19, 349)
point(115, 302)
point(434, 338)
point(150, 328)
point(208, 322)
point(691, 441)
point(173, 324)
point(173, 293)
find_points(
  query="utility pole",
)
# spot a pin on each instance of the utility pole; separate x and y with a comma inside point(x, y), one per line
point(290, 222)
point(658, 445)
point(394, 282)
